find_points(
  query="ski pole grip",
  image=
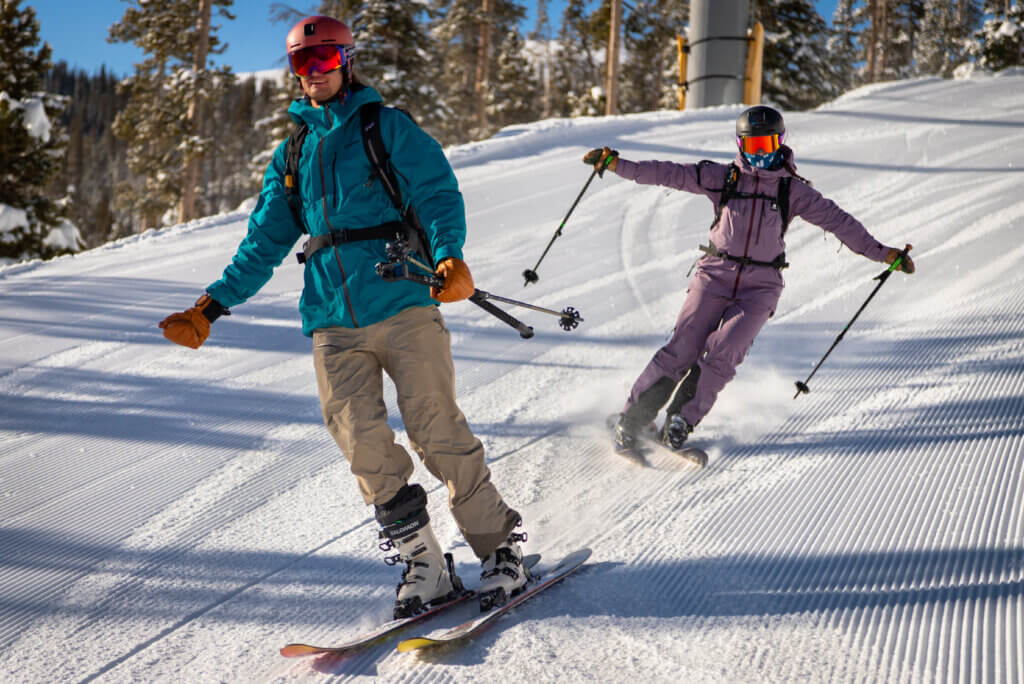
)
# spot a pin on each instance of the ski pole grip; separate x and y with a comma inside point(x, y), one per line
point(903, 255)
point(906, 250)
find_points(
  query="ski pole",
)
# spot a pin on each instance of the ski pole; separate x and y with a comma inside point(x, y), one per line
point(530, 274)
point(801, 387)
point(568, 318)
point(397, 269)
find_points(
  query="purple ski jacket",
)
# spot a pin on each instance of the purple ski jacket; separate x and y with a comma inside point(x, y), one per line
point(751, 227)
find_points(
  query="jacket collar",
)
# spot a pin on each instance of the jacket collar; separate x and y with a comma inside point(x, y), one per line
point(334, 113)
point(786, 168)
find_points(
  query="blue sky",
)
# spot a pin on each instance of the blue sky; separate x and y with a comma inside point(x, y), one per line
point(77, 32)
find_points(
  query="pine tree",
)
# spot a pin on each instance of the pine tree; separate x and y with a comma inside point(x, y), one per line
point(95, 158)
point(946, 28)
point(797, 74)
point(541, 49)
point(577, 77)
point(516, 91)
point(1000, 41)
point(396, 55)
point(905, 17)
point(32, 225)
point(274, 125)
point(455, 30)
point(650, 70)
point(843, 45)
point(168, 86)
point(503, 80)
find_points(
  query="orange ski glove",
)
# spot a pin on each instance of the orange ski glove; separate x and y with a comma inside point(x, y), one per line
point(191, 327)
point(605, 158)
point(458, 281)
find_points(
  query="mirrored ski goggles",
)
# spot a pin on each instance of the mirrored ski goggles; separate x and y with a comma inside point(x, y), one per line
point(321, 58)
point(759, 144)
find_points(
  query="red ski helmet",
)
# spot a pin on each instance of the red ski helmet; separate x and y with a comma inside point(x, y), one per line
point(319, 30)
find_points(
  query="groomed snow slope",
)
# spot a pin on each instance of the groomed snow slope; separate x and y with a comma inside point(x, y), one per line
point(177, 515)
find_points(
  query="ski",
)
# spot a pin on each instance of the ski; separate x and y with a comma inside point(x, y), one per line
point(467, 629)
point(299, 650)
point(648, 440)
point(388, 628)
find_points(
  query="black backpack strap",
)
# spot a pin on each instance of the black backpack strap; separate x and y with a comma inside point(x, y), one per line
point(292, 155)
point(377, 153)
point(380, 160)
point(783, 201)
point(728, 191)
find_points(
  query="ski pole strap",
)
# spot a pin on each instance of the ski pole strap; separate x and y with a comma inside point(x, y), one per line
point(777, 263)
point(385, 231)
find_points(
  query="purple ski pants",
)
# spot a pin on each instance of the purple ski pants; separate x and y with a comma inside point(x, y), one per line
point(725, 307)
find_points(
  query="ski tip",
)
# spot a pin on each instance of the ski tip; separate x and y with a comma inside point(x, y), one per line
point(415, 644)
point(577, 557)
point(299, 650)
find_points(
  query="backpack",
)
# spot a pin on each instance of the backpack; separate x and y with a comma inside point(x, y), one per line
point(380, 160)
point(779, 203)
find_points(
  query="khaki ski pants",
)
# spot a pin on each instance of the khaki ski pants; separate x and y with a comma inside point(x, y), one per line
point(413, 348)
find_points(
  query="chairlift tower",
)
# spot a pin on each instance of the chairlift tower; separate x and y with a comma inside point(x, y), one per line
point(717, 46)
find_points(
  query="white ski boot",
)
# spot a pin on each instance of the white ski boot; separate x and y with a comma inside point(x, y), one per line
point(429, 575)
point(503, 574)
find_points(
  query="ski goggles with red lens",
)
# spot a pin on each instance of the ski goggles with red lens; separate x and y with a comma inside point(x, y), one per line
point(759, 144)
point(322, 58)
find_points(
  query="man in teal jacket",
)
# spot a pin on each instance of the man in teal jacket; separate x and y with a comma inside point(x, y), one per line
point(362, 325)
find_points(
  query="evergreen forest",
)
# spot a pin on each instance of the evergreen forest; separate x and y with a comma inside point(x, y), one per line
point(182, 136)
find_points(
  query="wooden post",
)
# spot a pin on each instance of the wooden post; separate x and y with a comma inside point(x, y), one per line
point(755, 65)
point(681, 48)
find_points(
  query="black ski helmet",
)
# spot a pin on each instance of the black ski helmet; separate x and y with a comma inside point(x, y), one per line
point(760, 120)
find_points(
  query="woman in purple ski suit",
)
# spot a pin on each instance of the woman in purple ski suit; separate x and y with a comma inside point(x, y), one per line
point(738, 283)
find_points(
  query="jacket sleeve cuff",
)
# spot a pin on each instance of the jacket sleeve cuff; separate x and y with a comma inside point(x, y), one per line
point(211, 308)
point(446, 251)
point(878, 252)
point(626, 169)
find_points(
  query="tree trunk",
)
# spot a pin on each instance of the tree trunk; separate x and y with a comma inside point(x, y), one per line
point(883, 39)
point(190, 177)
point(871, 58)
point(612, 82)
point(483, 54)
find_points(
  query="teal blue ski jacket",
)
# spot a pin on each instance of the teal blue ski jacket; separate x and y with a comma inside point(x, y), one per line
point(340, 190)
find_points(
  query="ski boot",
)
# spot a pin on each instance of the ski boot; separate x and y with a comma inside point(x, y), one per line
point(624, 438)
point(503, 574)
point(675, 432)
point(429, 577)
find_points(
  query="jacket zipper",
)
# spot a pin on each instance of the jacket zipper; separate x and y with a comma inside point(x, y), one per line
point(750, 231)
point(323, 202)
